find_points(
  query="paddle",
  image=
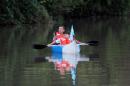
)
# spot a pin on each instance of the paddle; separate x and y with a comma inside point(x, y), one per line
point(39, 46)
point(91, 43)
point(42, 46)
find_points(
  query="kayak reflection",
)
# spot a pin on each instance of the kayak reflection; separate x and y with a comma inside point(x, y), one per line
point(66, 63)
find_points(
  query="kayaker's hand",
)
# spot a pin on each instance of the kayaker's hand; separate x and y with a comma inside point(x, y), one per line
point(49, 45)
point(57, 41)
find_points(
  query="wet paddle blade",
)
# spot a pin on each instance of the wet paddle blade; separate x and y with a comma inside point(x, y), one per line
point(93, 43)
point(39, 46)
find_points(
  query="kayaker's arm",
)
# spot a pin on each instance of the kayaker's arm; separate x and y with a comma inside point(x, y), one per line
point(51, 43)
point(54, 38)
point(77, 41)
point(55, 42)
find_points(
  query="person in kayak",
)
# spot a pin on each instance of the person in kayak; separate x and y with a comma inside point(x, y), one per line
point(59, 33)
point(61, 38)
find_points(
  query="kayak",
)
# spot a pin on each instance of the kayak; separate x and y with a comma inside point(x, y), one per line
point(71, 48)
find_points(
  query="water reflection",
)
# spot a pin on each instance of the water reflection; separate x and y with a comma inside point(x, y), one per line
point(66, 64)
point(109, 63)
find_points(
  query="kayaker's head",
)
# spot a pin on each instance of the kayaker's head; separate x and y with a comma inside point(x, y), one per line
point(61, 29)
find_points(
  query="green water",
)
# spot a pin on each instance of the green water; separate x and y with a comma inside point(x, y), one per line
point(21, 65)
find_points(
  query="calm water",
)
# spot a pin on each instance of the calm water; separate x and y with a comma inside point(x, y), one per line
point(107, 64)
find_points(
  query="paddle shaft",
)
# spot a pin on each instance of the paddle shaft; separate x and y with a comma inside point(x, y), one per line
point(42, 46)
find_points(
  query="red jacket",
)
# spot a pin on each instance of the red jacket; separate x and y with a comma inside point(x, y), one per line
point(62, 38)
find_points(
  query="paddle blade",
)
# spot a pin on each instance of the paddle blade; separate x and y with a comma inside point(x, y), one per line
point(39, 46)
point(93, 43)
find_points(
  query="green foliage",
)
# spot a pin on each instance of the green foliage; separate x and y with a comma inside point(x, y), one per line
point(31, 11)
point(86, 7)
point(24, 11)
point(56, 7)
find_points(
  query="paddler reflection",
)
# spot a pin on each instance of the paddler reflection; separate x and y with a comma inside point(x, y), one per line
point(67, 63)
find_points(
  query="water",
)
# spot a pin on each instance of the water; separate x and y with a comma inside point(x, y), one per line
point(104, 65)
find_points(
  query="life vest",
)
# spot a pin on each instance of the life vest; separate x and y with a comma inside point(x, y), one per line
point(58, 35)
point(63, 40)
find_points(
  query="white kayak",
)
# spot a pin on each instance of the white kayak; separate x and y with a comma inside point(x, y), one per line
point(71, 48)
